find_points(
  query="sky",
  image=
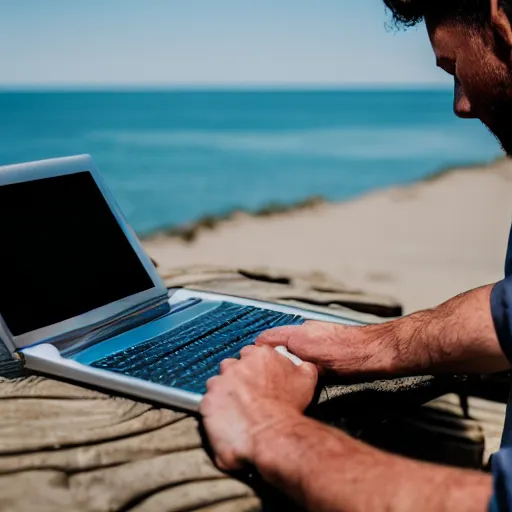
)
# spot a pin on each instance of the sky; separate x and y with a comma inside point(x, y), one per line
point(209, 43)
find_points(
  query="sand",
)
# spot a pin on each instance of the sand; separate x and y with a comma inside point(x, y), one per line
point(420, 244)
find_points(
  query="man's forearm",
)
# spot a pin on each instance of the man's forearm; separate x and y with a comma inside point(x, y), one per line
point(457, 336)
point(326, 470)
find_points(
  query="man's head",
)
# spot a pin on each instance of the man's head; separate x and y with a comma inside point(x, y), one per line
point(472, 40)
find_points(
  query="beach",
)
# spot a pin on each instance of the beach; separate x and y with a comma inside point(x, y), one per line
point(420, 244)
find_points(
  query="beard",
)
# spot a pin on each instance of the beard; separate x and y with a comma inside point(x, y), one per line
point(504, 139)
point(495, 112)
point(498, 120)
point(506, 147)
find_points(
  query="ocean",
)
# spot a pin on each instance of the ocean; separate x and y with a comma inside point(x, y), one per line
point(173, 157)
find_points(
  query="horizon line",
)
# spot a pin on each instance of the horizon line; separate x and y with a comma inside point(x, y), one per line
point(6, 88)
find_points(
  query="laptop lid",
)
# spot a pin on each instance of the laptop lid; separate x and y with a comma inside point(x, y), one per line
point(68, 259)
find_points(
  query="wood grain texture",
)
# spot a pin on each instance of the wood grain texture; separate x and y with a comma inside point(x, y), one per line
point(67, 447)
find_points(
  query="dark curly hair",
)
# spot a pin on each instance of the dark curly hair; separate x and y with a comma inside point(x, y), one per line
point(472, 12)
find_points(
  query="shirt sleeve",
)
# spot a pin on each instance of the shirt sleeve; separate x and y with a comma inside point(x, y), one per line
point(501, 309)
point(501, 500)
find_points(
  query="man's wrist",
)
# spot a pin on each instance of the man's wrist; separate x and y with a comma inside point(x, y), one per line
point(269, 440)
point(382, 354)
point(401, 346)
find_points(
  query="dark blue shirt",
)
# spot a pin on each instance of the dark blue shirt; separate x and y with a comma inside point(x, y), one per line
point(501, 308)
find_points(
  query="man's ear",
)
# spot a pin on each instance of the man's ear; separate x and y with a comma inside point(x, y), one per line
point(501, 27)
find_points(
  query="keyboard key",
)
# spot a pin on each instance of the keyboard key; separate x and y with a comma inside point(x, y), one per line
point(186, 357)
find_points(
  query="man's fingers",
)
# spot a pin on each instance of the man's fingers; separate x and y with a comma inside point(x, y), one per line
point(227, 363)
point(310, 368)
point(247, 350)
point(277, 336)
point(227, 465)
point(211, 382)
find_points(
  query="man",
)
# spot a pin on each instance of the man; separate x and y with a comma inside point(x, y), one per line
point(253, 411)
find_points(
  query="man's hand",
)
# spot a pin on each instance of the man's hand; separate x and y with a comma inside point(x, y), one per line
point(253, 410)
point(457, 336)
point(345, 350)
point(262, 393)
point(252, 413)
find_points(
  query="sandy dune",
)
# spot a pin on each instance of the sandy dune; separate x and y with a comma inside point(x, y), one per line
point(421, 244)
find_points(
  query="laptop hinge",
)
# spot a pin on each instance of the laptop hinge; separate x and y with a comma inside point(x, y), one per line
point(5, 338)
point(8, 346)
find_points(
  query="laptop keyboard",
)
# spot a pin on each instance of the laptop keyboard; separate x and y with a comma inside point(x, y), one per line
point(187, 356)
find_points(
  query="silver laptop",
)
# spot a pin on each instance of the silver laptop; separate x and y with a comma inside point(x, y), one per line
point(80, 299)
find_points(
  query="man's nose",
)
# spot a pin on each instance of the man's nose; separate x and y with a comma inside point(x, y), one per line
point(461, 103)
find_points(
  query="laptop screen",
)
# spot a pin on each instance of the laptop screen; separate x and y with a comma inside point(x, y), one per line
point(62, 253)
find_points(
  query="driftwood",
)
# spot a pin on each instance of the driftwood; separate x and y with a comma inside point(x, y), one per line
point(67, 447)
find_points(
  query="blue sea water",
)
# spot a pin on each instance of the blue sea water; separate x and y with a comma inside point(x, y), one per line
point(171, 157)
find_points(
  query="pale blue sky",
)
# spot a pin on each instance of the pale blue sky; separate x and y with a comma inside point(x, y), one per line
point(209, 42)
